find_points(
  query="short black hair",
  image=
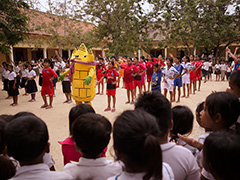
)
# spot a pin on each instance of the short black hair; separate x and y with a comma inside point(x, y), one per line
point(142, 57)
point(221, 155)
point(182, 121)
point(113, 57)
point(100, 58)
point(91, 132)
point(26, 138)
point(199, 108)
point(188, 59)
point(224, 103)
point(111, 62)
point(21, 114)
point(78, 110)
point(235, 78)
point(156, 65)
point(159, 106)
point(7, 169)
point(47, 61)
point(135, 138)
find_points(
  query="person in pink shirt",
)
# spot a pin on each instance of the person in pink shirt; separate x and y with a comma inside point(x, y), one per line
point(198, 71)
point(68, 149)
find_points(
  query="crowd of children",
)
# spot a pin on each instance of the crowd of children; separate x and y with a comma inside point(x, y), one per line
point(150, 142)
point(179, 76)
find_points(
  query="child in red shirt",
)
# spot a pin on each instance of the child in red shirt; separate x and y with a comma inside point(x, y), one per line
point(137, 76)
point(198, 71)
point(100, 69)
point(149, 65)
point(129, 71)
point(111, 75)
point(47, 86)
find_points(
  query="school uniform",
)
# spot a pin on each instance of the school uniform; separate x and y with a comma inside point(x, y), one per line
point(100, 68)
point(5, 81)
point(40, 68)
point(217, 69)
point(12, 92)
point(169, 73)
point(156, 81)
point(31, 83)
point(178, 80)
point(138, 78)
point(228, 72)
point(205, 68)
point(66, 84)
point(17, 71)
point(39, 172)
point(24, 73)
point(111, 76)
point(210, 68)
point(128, 77)
point(186, 77)
point(193, 74)
point(149, 67)
point(143, 77)
point(198, 72)
point(223, 70)
point(55, 79)
point(167, 174)
point(47, 86)
point(181, 161)
point(94, 169)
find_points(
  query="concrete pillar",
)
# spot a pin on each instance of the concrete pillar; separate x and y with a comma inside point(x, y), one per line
point(195, 51)
point(226, 55)
point(139, 54)
point(45, 53)
point(165, 52)
point(60, 52)
point(69, 53)
point(103, 53)
point(11, 55)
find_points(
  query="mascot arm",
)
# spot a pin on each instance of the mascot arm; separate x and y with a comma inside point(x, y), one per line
point(62, 76)
point(88, 79)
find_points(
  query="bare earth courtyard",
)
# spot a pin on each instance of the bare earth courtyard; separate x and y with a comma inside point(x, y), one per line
point(57, 118)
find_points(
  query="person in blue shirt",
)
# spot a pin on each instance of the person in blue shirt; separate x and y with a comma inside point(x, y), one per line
point(156, 78)
point(178, 80)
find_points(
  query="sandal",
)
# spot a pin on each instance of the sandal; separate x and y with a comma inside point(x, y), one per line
point(49, 107)
point(113, 109)
point(44, 106)
point(107, 109)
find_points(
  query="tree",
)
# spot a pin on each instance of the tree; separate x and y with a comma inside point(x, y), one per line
point(121, 25)
point(13, 23)
point(205, 24)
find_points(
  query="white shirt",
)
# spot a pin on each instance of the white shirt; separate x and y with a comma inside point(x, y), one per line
point(94, 169)
point(17, 69)
point(229, 69)
point(181, 161)
point(5, 74)
point(24, 72)
point(190, 148)
point(166, 172)
point(40, 68)
point(217, 66)
point(206, 66)
point(11, 76)
point(66, 77)
point(223, 67)
point(39, 172)
point(169, 72)
point(31, 74)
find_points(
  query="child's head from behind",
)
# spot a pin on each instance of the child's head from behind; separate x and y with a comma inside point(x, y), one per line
point(78, 110)
point(182, 121)
point(27, 139)
point(234, 83)
point(135, 136)
point(221, 155)
point(157, 105)
point(221, 110)
point(4, 119)
point(91, 133)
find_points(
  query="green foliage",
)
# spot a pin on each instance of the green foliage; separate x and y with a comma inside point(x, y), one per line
point(121, 25)
point(13, 23)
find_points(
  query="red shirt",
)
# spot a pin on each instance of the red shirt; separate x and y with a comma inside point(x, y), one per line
point(197, 64)
point(128, 71)
point(111, 75)
point(100, 68)
point(46, 75)
point(150, 67)
point(141, 68)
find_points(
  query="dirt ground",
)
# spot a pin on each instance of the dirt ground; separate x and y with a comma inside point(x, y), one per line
point(57, 117)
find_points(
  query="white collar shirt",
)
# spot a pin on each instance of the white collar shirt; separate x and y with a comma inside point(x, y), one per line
point(11, 76)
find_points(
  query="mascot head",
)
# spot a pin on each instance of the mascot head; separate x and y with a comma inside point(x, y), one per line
point(83, 54)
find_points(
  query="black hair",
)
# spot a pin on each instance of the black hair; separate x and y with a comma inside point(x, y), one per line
point(7, 169)
point(31, 65)
point(179, 58)
point(235, 78)
point(91, 132)
point(112, 62)
point(199, 108)
point(199, 56)
point(171, 60)
point(113, 57)
point(135, 139)
point(47, 61)
point(25, 65)
point(27, 62)
point(221, 155)
point(67, 61)
point(142, 57)
point(78, 110)
point(26, 138)
point(188, 59)
point(156, 65)
point(182, 121)
point(11, 66)
point(159, 106)
point(22, 114)
point(16, 63)
point(125, 57)
point(4, 63)
point(136, 58)
point(4, 119)
point(100, 58)
point(224, 103)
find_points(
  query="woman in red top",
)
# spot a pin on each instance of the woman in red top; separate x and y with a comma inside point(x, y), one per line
point(111, 75)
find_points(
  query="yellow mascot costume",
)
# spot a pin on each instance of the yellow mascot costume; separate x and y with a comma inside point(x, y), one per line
point(82, 73)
